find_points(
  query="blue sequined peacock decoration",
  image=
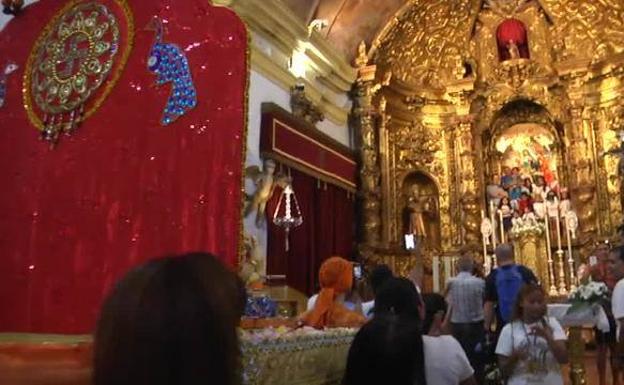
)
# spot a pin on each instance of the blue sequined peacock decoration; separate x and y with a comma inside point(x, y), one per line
point(170, 65)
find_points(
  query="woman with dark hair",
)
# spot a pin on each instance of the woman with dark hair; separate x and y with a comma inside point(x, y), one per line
point(171, 321)
point(398, 296)
point(391, 349)
point(435, 314)
point(387, 350)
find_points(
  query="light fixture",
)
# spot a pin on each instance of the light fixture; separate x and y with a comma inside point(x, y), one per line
point(317, 25)
point(298, 64)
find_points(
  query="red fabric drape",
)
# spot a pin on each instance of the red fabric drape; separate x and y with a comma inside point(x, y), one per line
point(515, 31)
point(122, 188)
point(327, 229)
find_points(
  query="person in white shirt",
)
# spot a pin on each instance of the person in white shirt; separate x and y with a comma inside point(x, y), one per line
point(465, 294)
point(616, 265)
point(532, 346)
point(390, 349)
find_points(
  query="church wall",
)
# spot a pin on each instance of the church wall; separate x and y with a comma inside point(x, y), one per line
point(263, 90)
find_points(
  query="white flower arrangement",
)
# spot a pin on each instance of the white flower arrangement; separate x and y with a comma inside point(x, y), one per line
point(527, 228)
point(588, 294)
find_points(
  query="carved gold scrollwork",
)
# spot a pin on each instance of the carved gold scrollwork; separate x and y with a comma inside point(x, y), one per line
point(451, 95)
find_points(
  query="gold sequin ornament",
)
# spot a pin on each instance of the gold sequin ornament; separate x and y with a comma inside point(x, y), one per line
point(72, 58)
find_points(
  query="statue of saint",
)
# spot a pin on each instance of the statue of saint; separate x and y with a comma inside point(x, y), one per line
point(512, 48)
point(619, 153)
point(418, 206)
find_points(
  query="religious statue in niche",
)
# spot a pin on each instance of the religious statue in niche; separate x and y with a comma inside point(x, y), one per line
point(265, 181)
point(619, 152)
point(514, 53)
point(421, 209)
point(511, 37)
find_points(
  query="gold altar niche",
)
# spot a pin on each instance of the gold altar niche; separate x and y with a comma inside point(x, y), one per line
point(443, 83)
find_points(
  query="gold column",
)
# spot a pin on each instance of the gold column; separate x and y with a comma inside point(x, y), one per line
point(453, 183)
point(384, 161)
point(469, 198)
point(580, 157)
point(363, 120)
point(608, 182)
point(576, 347)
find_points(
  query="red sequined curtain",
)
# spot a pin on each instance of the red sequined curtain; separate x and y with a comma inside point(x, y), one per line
point(327, 230)
point(122, 188)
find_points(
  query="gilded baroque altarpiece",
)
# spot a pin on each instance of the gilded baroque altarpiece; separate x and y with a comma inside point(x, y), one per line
point(442, 104)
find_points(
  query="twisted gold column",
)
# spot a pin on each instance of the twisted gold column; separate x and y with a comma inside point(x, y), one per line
point(576, 349)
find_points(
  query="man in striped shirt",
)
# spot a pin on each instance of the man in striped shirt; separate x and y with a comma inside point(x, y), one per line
point(465, 294)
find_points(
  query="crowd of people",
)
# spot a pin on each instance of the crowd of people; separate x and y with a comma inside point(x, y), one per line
point(525, 199)
point(174, 321)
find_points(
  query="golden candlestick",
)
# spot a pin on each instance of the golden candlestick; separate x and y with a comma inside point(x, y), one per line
point(551, 268)
point(562, 282)
point(570, 222)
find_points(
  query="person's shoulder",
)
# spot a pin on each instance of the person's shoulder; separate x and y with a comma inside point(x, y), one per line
point(312, 301)
point(619, 286)
point(492, 274)
point(477, 279)
point(525, 271)
point(508, 327)
point(445, 340)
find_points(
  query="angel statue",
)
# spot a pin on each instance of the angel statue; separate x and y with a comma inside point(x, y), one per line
point(251, 268)
point(265, 182)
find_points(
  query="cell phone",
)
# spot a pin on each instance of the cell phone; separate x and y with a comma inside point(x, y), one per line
point(357, 271)
point(410, 242)
point(593, 260)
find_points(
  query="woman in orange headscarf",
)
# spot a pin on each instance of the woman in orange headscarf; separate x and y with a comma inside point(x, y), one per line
point(336, 278)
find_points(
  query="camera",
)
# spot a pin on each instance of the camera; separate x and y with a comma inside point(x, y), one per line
point(357, 271)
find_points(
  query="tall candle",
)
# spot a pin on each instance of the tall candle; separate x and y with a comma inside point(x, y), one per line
point(558, 226)
point(551, 268)
point(493, 224)
point(484, 239)
point(502, 228)
point(547, 238)
point(435, 267)
point(570, 258)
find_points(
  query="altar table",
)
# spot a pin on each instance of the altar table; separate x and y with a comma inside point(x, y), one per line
point(594, 316)
point(300, 357)
point(270, 356)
